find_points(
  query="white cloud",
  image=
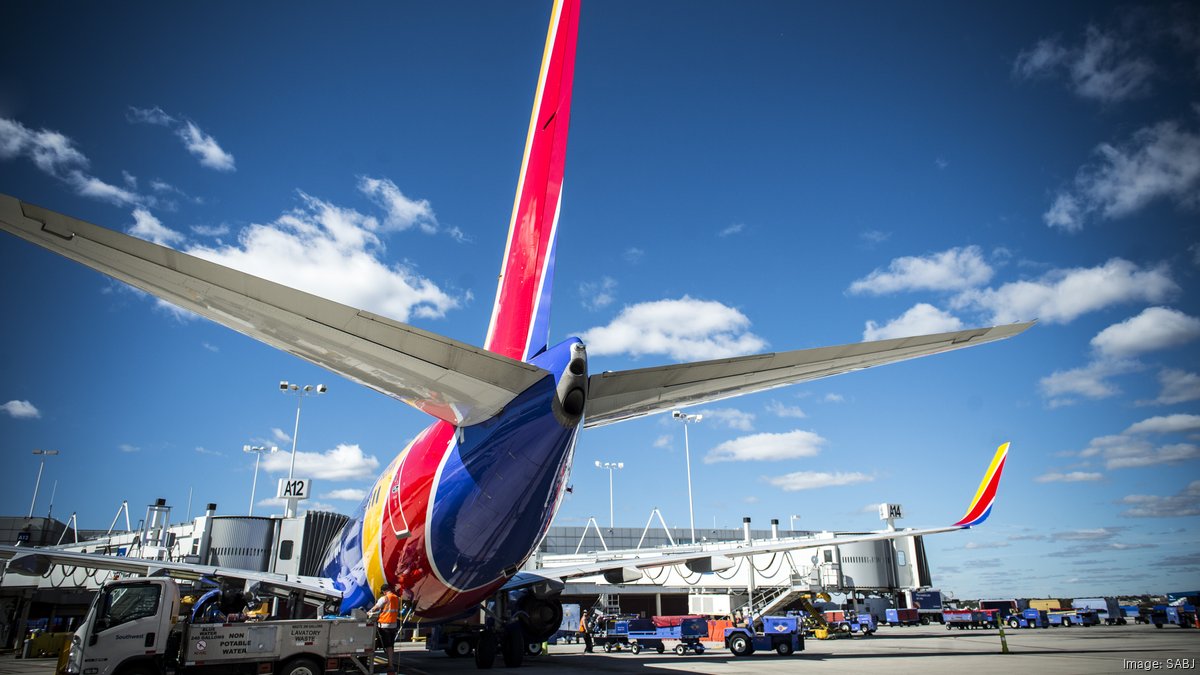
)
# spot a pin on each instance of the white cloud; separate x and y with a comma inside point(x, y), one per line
point(1091, 534)
point(735, 228)
point(767, 447)
point(633, 255)
point(211, 230)
point(1178, 386)
point(598, 294)
point(402, 213)
point(1158, 162)
point(685, 329)
point(1062, 295)
point(834, 398)
point(126, 447)
point(951, 270)
point(153, 115)
point(1131, 448)
point(787, 411)
point(1103, 68)
point(345, 462)
point(976, 545)
point(730, 418)
point(663, 441)
point(1166, 424)
point(1090, 381)
point(874, 237)
point(1040, 60)
point(205, 147)
point(280, 435)
point(920, 319)
point(200, 144)
point(1185, 503)
point(205, 451)
point(21, 410)
point(346, 494)
point(146, 226)
point(1069, 477)
point(809, 480)
point(332, 252)
point(1155, 328)
point(55, 154)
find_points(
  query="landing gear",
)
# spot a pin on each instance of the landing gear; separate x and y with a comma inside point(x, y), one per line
point(485, 651)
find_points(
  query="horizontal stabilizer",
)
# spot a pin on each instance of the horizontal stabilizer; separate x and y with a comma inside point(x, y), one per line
point(450, 380)
point(619, 395)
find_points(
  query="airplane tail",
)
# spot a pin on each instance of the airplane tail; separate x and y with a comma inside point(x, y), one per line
point(520, 323)
point(981, 506)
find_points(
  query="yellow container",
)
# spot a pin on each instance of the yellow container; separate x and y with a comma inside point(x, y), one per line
point(821, 633)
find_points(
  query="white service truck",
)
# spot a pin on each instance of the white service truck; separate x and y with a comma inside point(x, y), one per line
point(135, 627)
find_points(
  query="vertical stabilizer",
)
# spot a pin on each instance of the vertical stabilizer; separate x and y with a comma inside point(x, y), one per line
point(520, 324)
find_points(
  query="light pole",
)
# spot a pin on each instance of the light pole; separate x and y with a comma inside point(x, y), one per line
point(300, 392)
point(38, 482)
point(688, 419)
point(611, 466)
point(792, 522)
point(258, 451)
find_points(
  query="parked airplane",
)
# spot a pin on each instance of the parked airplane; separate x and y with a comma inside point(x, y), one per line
point(458, 512)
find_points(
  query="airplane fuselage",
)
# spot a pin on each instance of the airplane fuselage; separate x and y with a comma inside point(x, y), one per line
point(459, 510)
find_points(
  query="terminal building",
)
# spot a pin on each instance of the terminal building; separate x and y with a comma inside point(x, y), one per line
point(882, 573)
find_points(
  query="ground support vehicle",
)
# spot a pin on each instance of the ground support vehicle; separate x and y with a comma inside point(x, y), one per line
point(1108, 610)
point(1003, 608)
point(1029, 618)
point(1134, 613)
point(133, 628)
point(781, 633)
point(685, 633)
point(968, 618)
point(850, 621)
point(612, 633)
point(902, 617)
point(929, 606)
point(1183, 616)
point(1074, 617)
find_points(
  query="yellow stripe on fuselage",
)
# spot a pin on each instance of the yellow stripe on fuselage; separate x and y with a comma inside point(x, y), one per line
point(1001, 452)
point(373, 522)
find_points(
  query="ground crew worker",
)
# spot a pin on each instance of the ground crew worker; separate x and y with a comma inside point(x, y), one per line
point(387, 608)
point(587, 634)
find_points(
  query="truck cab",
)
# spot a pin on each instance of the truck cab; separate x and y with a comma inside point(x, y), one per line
point(125, 629)
point(780, 633)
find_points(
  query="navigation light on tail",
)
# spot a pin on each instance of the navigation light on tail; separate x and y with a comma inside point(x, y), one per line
point(981, 506)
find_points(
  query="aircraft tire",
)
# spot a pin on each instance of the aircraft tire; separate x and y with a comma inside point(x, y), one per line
point(485, 650)
point(512, 650)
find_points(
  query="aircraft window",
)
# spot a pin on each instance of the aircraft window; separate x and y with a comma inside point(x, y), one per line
point(285, 549)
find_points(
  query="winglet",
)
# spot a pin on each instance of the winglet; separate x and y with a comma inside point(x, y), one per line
point(981, 506)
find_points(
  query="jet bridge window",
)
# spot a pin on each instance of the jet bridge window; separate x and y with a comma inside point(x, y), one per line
point(123, 604)
point(285, 549)
point(901, 559)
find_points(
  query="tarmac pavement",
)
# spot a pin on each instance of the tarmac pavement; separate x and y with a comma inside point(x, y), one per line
point(918, 649)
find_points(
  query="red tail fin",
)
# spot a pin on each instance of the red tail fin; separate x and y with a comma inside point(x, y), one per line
point(520, 324)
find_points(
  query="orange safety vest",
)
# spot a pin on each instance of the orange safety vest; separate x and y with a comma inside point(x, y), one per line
point(391, 610)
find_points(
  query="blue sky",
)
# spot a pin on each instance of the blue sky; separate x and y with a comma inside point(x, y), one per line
point(739, 179)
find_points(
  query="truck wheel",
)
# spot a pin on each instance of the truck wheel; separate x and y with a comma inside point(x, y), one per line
point(699, 648)
point(635, 648)
point(740, 645)
point(301, 666)
point(1013, 623)
point(660, 648)
point(1066, 623)
point(608, 646)
point(1158, 625)
point(533, 649)
point(460, 648)
point(485, 650)
point(784, 648)
point(924, 621)
point(680, 649)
